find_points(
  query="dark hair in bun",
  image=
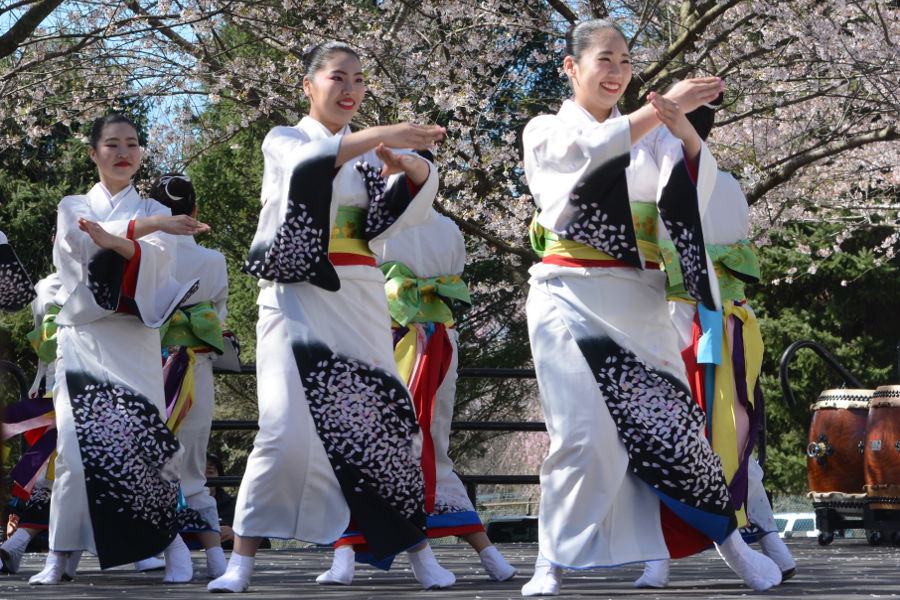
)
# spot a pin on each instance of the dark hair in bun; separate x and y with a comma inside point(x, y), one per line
point(703, 117)
point(580, 36)
point(315, 58)
point(110, 119)
point(176, 191)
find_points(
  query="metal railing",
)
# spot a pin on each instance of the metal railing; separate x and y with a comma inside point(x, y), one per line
point(471, 482)
point(827, 358)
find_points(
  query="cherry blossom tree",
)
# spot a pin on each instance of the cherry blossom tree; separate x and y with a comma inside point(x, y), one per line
point(809, 123)
point(809, 118)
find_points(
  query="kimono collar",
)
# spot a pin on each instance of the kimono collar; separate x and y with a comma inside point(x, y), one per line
point(317, 130)
point(572, 112)
point(105, 205)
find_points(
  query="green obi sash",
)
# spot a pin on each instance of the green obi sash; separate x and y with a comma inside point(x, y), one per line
point(646, 218)
point(347, 231)
point(414, 299)
point(735, 265)
point(195, 326)
point(43, 336)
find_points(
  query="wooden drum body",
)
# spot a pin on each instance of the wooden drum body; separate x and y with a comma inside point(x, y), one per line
point(837, 437)
point(882, 457)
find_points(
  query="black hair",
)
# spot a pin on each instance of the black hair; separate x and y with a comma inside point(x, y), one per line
point(580, 36)
point(216, 462)
point(703, 117)
point(176, 191)
point(315, 58)
point(110, 119)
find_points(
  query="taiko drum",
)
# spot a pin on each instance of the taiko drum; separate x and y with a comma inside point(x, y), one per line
point(837, 437)
point(882, 457)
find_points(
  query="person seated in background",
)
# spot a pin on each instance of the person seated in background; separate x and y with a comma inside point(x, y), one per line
point(224, 503)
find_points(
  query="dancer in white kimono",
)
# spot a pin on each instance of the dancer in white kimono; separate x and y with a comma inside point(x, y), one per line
point(33, 418)
point(16, 289)
point(629, 476)
point(194, 336)
point(422, 267)
point(338, 443)
point(723, 354)
point(117, 465)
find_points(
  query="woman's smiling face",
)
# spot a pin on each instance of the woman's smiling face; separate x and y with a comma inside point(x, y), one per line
point(600, 76)
point(336, 90)
point(117, 155)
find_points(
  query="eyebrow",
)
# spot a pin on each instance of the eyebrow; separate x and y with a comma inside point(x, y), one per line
point(611, 52)
point(115, 139)
point(340, 72)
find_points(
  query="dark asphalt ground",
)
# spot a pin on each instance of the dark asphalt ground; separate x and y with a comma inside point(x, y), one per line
point(849, 569)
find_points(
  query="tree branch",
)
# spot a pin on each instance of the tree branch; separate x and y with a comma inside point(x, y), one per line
point(564, 10)
point(787, 170)
point(30, 21)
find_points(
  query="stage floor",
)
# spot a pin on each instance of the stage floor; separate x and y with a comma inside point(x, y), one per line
point(848, 569)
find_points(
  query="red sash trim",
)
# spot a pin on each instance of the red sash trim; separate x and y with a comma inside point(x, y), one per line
point(433, 368)
point(439, 532)
point(566, 261)
point(346, 259)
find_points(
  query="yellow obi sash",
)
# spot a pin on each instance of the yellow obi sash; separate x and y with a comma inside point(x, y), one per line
point(43, 336)
point(646, 217)
point(196, 327)
point(735, 264)
point(346, 234)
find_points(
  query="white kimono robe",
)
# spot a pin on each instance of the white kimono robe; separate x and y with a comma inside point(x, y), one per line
point(117, 466)
point(433, 249)
point(626, 442)
point(16, 289)
point(338, 436)
point(208, 267)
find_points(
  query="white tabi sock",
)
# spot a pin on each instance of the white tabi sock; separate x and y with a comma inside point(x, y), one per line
point(496, 566)
point(656, 575)
point(71, 565)
point(342, 567)
point(757, 570)
point(12, 550)
point(179, 568)
point(53, 570)
point(237, 575)
point(215, 562)
point(428, 572)
point(775, 548)
point(546, 581)
point(150, 564)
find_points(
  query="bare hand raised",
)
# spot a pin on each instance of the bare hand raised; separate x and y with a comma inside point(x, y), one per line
point(181, 225)
point(673, 117)
point(412, 136)
point(690, 94)
point(415, 167)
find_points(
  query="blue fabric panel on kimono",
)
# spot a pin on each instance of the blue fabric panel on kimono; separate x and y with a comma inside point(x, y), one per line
point(454, 519)
point(709, 347)
point(716, 527)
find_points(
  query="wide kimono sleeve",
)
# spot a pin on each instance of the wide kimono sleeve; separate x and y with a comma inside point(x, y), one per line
point(219, 273)
point(400, 204)
point(291, 241)
point(683, 195)
point(576, 173)
point(100, 282)
point(16, 289)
